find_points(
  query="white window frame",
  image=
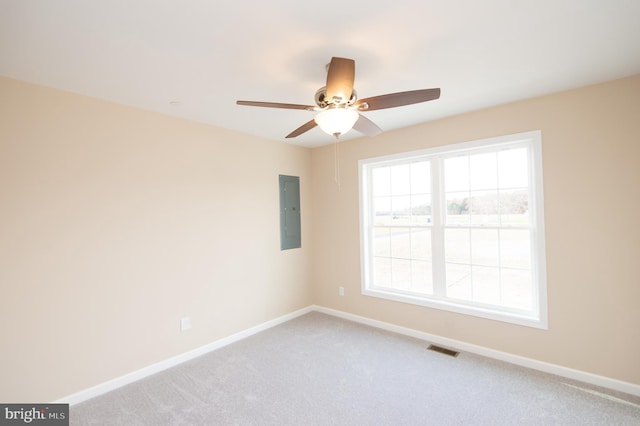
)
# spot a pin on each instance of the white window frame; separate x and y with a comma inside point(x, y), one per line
point(537, 317)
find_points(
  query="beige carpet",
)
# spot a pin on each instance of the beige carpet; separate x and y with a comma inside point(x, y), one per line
point(321, 370)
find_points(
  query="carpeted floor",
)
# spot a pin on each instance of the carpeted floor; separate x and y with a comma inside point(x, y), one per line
point(321, 370)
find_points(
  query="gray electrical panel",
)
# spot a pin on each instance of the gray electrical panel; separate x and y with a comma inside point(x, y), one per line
point(289, 212)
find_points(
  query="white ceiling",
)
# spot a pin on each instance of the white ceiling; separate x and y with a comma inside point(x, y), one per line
point(207, 54)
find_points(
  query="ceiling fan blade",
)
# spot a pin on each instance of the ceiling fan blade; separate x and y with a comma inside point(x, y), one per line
point(276, 105)
point(392, 100)
point(304, 128)
point(340, 77)
point(366, 126)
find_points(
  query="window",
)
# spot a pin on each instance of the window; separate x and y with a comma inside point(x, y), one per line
point(458, 228)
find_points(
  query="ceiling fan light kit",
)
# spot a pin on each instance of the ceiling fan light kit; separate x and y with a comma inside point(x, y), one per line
point(336, 120)
point(340, 111)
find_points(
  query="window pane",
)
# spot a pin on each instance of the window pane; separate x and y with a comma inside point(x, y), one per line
point(382, 210)
point(458, 207)
point(514, 207)
point(458, 281)
point(421, 277)
point(483, 171)
point(456, 174)
point(381, 181)
point(421, 244)
point(457, 246)
point(421, 177)
point(401, 274)
point(401, 209)
point(486, 285)
point(381, 242)
point(400, 178)
point(400, 242)
point(382, 271)
point(484, 208)
point(421, 209)
point(484, 247)
point(515, 248)
point(517, 289)
point(513, 168)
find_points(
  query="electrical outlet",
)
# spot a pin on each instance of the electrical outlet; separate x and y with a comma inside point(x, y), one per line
point(185, 324)
point(341, 291)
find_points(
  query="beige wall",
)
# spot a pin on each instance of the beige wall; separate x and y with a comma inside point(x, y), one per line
point(116, 222)
point(591, 150)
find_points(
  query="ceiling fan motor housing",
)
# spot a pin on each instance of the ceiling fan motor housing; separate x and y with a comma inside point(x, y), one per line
point(323, 102)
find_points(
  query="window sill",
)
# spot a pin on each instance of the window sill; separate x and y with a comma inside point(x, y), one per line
point(452, 306)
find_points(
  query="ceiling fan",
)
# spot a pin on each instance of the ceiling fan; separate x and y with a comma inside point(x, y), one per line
point(339, 107)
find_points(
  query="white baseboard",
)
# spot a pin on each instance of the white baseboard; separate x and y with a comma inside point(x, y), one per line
point(569, 373)
point(179, 359)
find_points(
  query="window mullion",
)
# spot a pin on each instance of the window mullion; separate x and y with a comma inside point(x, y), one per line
point(437, 232)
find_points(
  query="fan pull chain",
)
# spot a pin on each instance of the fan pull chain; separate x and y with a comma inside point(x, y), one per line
point(336, 160)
